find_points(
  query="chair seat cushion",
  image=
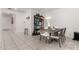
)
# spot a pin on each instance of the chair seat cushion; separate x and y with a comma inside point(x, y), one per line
point(55, 37)
point(44, 34)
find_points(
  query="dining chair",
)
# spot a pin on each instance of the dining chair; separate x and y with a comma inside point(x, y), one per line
point(54, 33)
point(60, 37)
point(44, 36)
point(63, 31)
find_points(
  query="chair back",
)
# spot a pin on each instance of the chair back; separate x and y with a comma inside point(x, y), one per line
point(62, 33)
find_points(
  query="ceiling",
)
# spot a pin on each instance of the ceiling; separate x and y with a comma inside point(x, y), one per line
point(45, 9)
point(21, 9)
point(13, 10)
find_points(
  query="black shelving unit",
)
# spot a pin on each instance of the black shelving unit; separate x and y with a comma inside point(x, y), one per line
point(38, 24)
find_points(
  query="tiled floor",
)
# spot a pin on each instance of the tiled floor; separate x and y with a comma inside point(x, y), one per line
point(12, 41)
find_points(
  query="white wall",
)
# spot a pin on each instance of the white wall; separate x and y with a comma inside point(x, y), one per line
point(22, 22)
point(28, 23)
point(0, 20)
point(19, 22)
point(65, 17)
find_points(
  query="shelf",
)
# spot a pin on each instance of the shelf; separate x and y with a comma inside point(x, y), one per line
point(38, 24)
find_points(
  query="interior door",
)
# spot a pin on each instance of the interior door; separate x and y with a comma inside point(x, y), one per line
point(6, 22)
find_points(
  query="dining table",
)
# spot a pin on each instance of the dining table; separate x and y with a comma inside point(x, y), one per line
point(50, 31)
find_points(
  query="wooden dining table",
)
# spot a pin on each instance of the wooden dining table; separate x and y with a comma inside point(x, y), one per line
point(51, 31)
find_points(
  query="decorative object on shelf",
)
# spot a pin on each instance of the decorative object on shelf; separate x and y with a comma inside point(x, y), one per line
point(38, 24)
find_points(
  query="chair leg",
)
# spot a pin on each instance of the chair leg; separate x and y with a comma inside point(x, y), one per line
point(40, 37)
point(65, 38)
point(62, 40)
point(46, 40)
point(49, 41)
point(59, 43)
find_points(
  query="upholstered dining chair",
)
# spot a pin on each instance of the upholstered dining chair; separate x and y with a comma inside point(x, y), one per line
point(60, 37)
point(63, 34)
point(44, 36)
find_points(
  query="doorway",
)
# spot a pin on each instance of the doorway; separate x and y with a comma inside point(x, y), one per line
point(7, 22)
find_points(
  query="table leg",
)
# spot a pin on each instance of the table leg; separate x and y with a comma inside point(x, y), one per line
point(59, 42)
point(40, 37)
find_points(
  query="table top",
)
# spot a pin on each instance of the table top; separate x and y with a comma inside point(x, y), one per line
point(51, 30)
